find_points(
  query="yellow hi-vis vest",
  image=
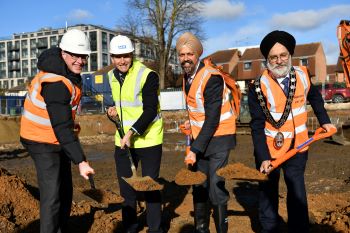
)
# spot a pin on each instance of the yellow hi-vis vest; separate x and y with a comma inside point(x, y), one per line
point(295, 125)
point(195, 104)
point(128, 102)
point(35, 121)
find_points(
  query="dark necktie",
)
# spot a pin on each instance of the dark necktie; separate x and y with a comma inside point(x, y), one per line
point(285, 83)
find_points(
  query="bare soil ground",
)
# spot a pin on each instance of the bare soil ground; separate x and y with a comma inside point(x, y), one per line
point(327, 178)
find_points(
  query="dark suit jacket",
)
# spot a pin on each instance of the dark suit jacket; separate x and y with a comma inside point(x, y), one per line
point(206, 143)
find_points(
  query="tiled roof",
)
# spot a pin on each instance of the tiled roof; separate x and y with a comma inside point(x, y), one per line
point(301, 50)
point(223, 56)
point(331, 69)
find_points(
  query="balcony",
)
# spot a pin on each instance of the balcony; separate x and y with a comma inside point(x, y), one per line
point(41, 44)
point(14, 67)
point(13, 47)
point(12, 57)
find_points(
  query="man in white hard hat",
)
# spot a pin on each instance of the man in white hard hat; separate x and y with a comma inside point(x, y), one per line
point(135, 91)
point(47, 127)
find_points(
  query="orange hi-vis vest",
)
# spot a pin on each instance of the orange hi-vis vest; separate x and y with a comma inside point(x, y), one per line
point(295, 125)
point(195, 104)
point(35, 121)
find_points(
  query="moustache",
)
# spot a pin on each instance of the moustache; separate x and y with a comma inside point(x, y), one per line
point(189, 62)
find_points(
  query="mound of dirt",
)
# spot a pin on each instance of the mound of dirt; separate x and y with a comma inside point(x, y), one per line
point(188, 177)
point(145, 183)
point(17, 205)
point(239, 171)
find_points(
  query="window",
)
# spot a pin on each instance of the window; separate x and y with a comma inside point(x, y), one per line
point(53, 41)
point(93, 62)
point(42, 42)
point(104, 60)
point(2, 56)
point(93, 41)
point(33, 43)
point(24, 63)
point(2, 46)
point(24, 44)
point(104, 43)
point(304, 62)
point(247, 65)
point(24, 53)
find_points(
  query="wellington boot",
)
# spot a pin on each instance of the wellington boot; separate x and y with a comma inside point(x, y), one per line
point(201, 218)
point(220, 218)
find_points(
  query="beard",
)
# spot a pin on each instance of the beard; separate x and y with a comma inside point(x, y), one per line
point(279, 70)
point(188, 67)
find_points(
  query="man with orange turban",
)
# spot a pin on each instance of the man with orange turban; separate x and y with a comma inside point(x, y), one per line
point(212, 123)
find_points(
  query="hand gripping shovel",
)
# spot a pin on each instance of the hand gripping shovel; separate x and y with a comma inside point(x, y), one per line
point(145, 183)
point(320, 133)
point(100, 195)
point(188, 176)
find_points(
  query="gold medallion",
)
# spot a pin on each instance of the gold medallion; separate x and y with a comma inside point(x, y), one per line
point(278, 141)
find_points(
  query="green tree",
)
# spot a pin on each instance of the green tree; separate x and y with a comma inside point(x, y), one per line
point(164, 21)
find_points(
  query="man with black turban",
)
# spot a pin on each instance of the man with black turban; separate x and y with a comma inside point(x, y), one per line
point(212, 124)
point(277, 103)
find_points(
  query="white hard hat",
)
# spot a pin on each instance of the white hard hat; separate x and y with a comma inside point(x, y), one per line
point(75, 41)
point(121, 45)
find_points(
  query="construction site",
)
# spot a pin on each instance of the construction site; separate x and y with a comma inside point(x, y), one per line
point(327, 180)
point(97, 202)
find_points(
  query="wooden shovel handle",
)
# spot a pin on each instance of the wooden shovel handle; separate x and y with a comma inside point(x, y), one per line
point(320, 133)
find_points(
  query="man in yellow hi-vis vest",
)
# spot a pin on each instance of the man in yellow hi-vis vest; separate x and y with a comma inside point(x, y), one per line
point(135, 91)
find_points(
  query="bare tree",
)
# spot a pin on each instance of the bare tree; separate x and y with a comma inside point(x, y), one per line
point(164, 20)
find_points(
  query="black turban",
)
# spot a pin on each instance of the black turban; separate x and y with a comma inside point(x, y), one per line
point(282, 37)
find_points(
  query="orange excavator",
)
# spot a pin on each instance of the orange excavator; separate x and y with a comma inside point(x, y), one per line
point(343, 34)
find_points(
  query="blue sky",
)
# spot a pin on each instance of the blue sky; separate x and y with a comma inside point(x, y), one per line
point(227, 23)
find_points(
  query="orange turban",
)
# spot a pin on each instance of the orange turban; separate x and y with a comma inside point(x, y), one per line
point(191, 41)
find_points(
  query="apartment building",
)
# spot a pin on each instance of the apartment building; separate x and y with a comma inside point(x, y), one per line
point(19, 54)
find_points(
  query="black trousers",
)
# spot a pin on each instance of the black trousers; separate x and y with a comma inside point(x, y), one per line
point(56, 191)
point(298, 219)
point(150, 158)
point(214, 187)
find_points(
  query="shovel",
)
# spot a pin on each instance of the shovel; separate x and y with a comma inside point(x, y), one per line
point(188, 176)
point(145, 183)
point(101, 196)
point(239, 171)
point(320, 133)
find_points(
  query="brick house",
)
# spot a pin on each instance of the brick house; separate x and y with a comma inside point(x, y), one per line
point(228, 59)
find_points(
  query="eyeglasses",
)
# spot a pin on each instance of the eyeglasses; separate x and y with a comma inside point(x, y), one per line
point(282, 56)
point(75, 56)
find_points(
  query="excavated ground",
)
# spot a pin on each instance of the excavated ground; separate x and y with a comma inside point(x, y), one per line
point(327, 179)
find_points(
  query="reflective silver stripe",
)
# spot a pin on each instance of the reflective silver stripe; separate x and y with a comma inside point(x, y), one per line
point(223, 117)
point(272, 133)
point(300, 129)
point(198, 95)
point(296, 111)
point(136, 102)
point(129, 123)
point(50, 75)
point(303, 77)
point(34, 93)
point(36, 119)
point(270, 95)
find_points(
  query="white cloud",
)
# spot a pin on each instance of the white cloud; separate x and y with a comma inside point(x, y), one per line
point(245, 36)
point(79, 14)
point(309, 19)
point(222, 9)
